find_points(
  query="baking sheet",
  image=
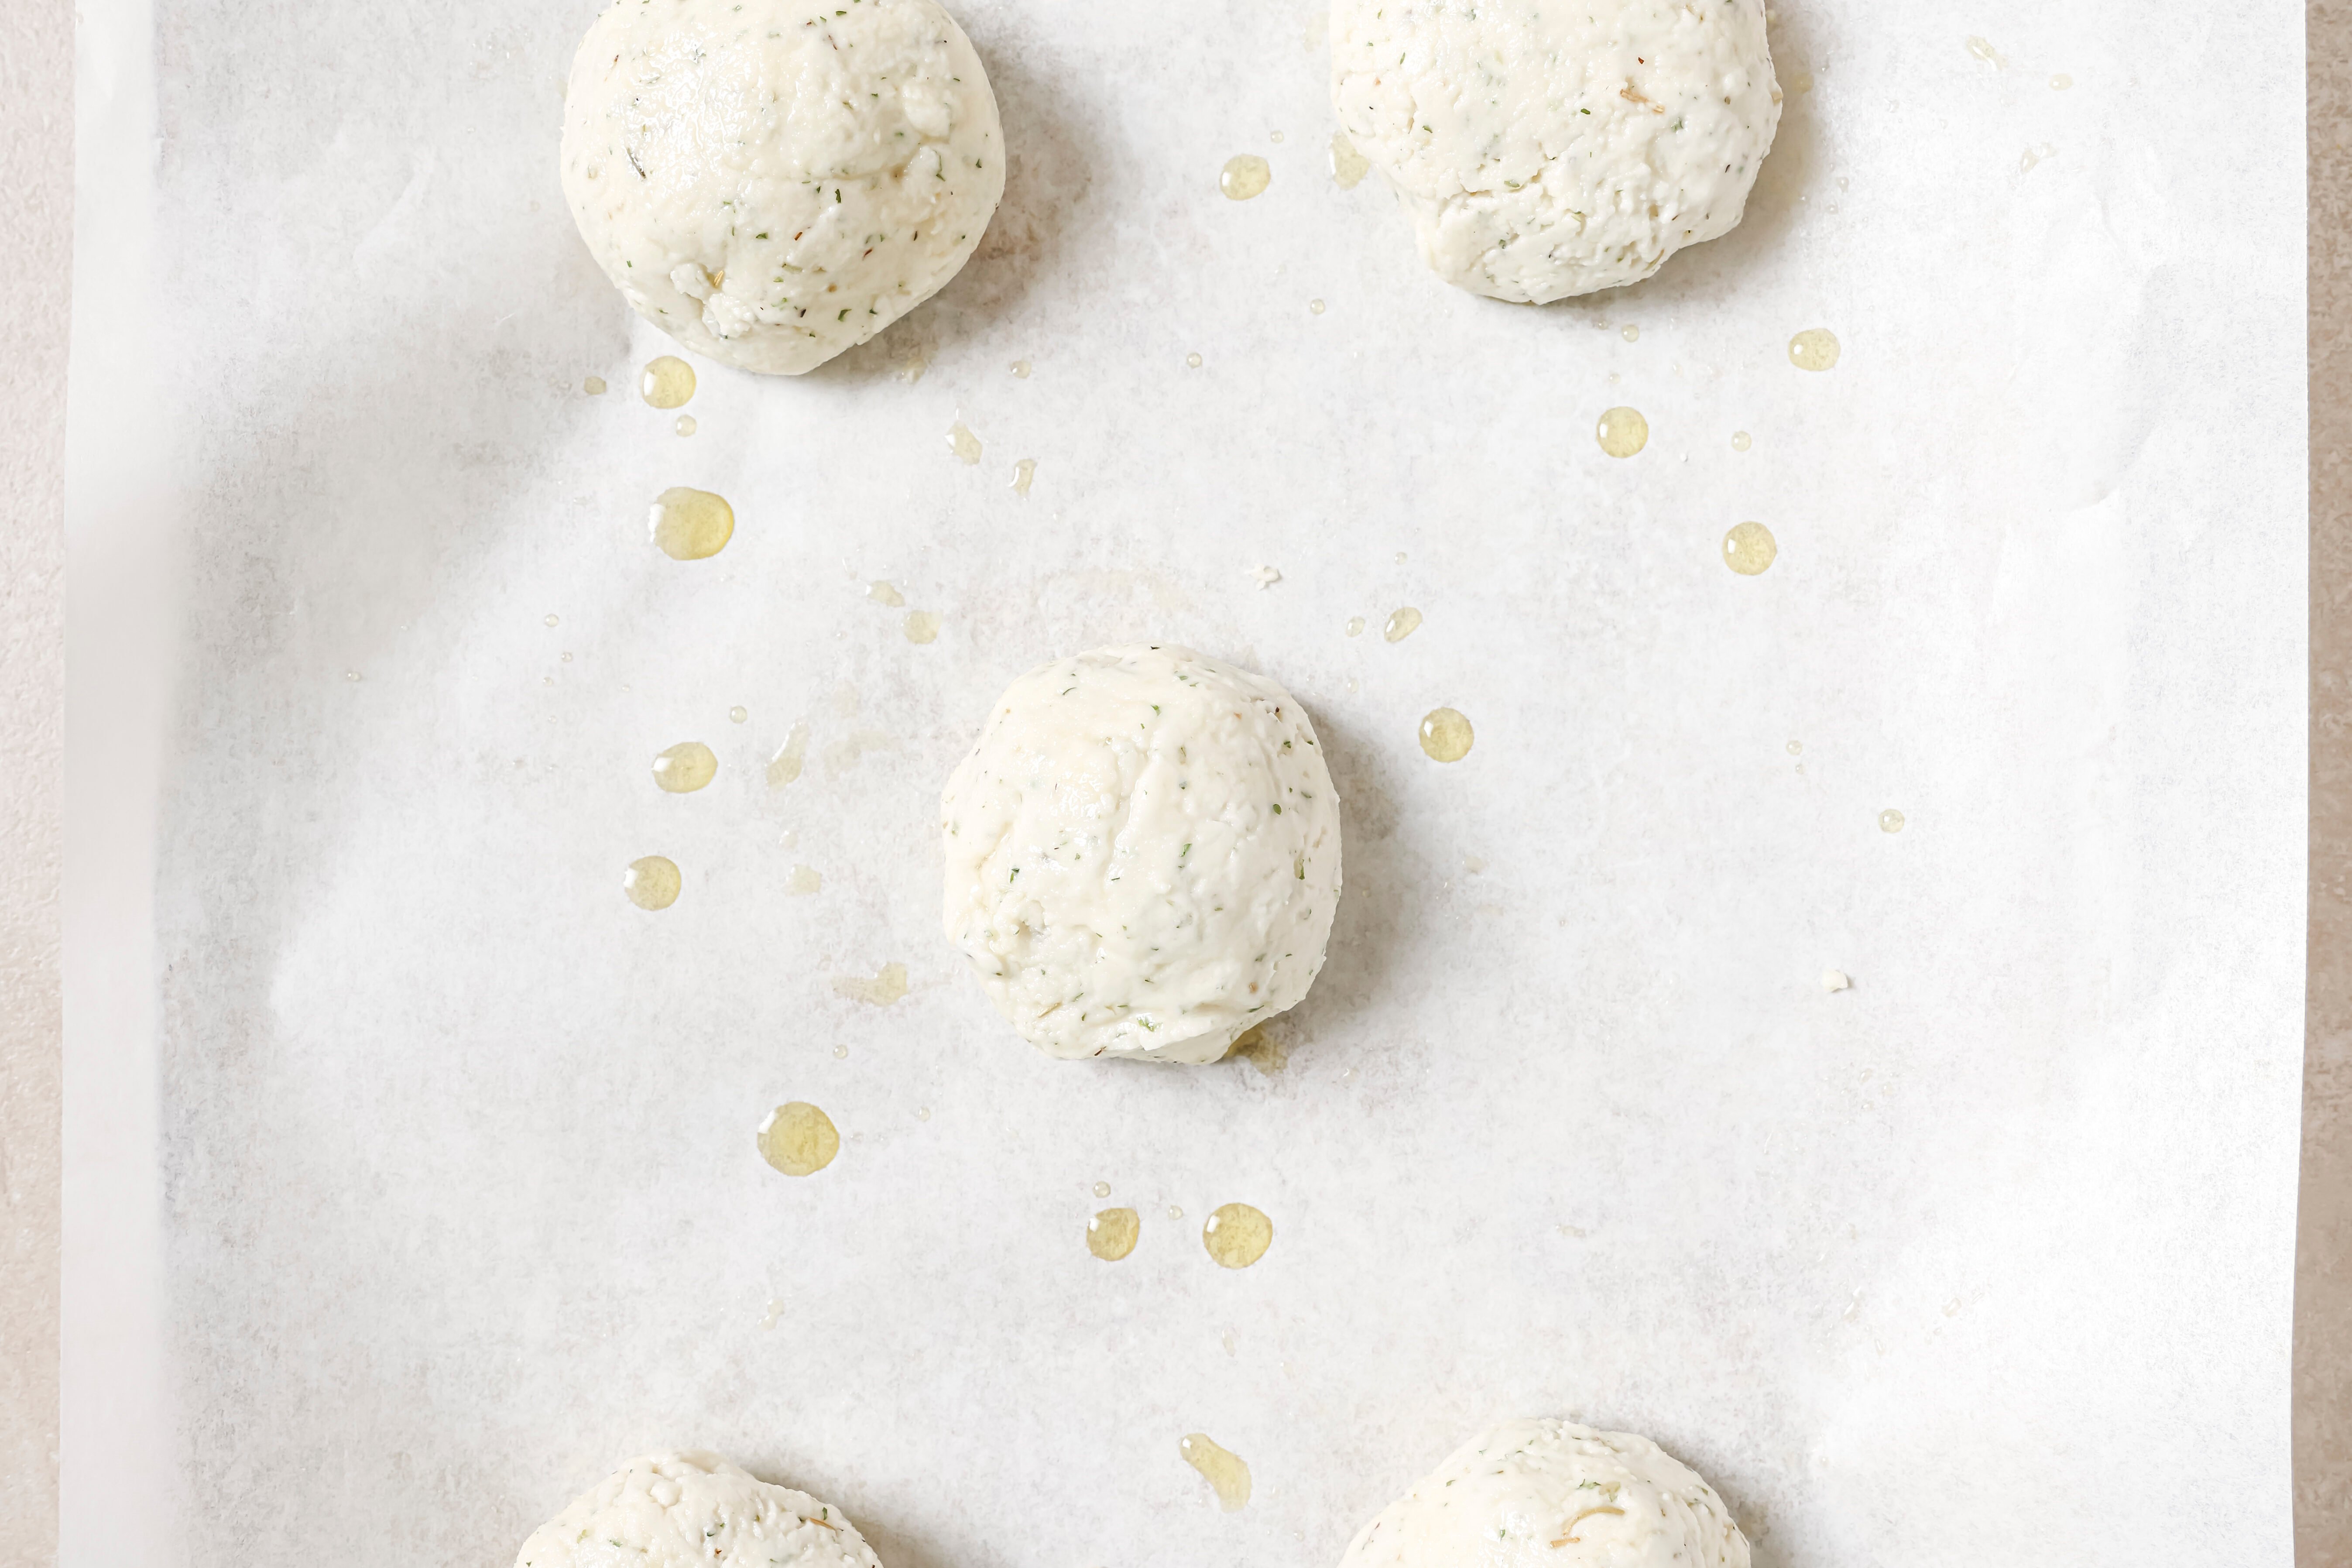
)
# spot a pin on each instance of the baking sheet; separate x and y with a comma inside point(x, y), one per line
point(410, 1172)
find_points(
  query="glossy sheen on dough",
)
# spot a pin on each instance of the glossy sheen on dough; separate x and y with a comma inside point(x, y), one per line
point(772, 182)
point(1142, 854)
point(1551, 1494)
point(667, 1510)
point(1542, 150)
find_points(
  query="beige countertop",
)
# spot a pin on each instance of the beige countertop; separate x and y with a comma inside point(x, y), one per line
point(35, 136)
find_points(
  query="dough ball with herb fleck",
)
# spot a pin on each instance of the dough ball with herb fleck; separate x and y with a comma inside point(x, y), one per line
point(694, 1507)
point(1551, 1494)
point(772, 182)
point(1142, 854)
point(1544, 150)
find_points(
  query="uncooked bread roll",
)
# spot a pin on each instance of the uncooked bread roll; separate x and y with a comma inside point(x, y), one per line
point(771, 183)
point(1545, 150)
point(1142, 854)
point(1551, 1494)
point(697, 1507)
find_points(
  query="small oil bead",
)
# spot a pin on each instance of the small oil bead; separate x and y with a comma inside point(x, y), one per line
point(668, 382)
point(652, 883)
point(691, 524)
point(1110, 1234)
point(1349, 166)
point(1224, 1471)
point(1237, 1235)
point(798, 1139)
point(1245, 175)
point(1623, 432)
point(1446, 735)
point(686, 767)
point(1816, 348)
point(1749, 548)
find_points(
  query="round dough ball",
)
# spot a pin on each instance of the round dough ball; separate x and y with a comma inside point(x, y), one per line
point(771, 183)
point(1546, 150)
point(1554, 1494)
point(1143, 854)
point(694, 1507)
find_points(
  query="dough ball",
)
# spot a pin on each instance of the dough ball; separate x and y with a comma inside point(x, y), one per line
point(1557, 1495)
point(677, 1509)
point(769, 182)
point(1545, 150)
point(1143, 854)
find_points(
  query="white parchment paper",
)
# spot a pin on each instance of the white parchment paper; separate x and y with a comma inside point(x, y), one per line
point(411, 1169)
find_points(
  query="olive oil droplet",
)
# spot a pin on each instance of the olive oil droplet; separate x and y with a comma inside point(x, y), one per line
point(1191, 362)
point(1749, 548)
point(923, 626)
point(1260, 1051)
point(1102, 1189)
point(1632, 334)
point(883, 592)
point(1446, 735)
point(1623, 432)
point(738, 714)
point(1401, 625)
point(1237, 1235)
point(888, 985)
point(652, 883)
point(686, 767)
point(785, 765)
point(1815, 348)
point(690, 524)
point(1890, 821)
point(805, 880)
point(798, 1139)
point(668, 382)
point(1110, 1234)
point(1355, 625)
point(1245, 175)
point(963, 443)
point(1023, 471)
point(1348, 166)
point(1740, 441)
point(1021, 369)
point(593, 386)
point(684, 425)
point(1224, 1471)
